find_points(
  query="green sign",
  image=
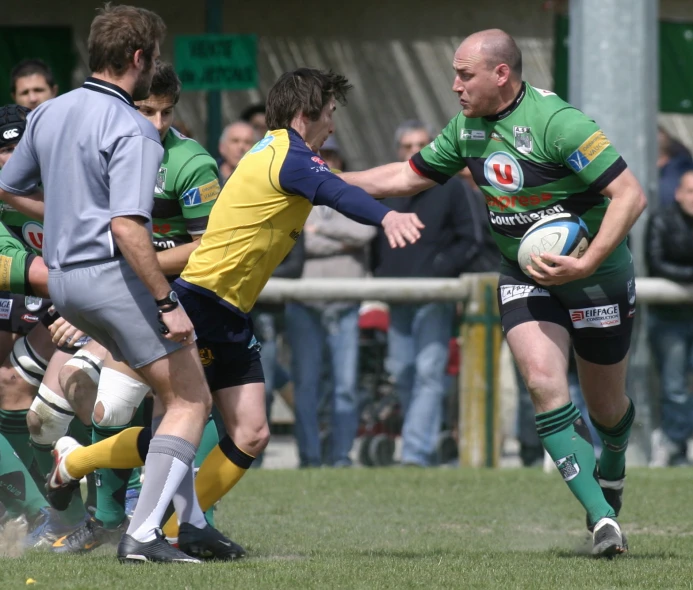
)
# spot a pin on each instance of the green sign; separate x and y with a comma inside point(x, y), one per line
point(216, 62)
point(675, 64)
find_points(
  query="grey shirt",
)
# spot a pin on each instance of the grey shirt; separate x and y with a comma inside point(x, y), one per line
point(97, 159)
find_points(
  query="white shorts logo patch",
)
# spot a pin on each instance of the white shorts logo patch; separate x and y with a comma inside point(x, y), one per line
point(512, 292)
point(596, 317)
point(5, 309)
point(33, 303)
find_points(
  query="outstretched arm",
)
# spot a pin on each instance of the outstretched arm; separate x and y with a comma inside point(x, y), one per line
point(398, 179)
point(31, 204)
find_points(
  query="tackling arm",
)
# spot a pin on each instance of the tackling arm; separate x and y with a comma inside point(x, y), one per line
point(398, 179)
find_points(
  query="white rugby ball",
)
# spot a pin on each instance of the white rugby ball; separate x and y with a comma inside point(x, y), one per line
point(564, 234)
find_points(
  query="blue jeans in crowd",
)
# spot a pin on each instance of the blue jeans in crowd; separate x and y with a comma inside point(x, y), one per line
point(418, 341)
point(672, 345)
point(311, 332)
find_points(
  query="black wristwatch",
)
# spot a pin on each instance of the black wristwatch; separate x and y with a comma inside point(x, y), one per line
point(168, 303)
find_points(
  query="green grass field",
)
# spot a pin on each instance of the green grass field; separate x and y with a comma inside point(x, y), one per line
point(410, 528)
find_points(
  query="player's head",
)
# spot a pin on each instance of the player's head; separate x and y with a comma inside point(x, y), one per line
point(255, 115)
point(124, 40)
point(12, 126)
point(31, 83)
point(411, 137)
point(163, 97)
point(684, 192)
point(306, 98)
point(488, 72)
point(235, 141)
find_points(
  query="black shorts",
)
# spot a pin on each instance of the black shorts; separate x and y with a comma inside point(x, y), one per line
point(597, 311)
point(229, 352)
point(19, 314)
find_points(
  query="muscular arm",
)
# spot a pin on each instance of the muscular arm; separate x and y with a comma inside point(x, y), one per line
point(31, 205)
point(38, 277)
point(628, 201)
point(173, 260)
point(391, 180)
point(135, 243)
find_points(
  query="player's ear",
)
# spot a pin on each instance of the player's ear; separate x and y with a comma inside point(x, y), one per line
point(138, 59)
point(503, 74)
point(54, 90)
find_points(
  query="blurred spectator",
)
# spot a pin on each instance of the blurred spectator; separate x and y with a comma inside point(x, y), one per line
point(31, 83)
point(419, 334)
point(670, 255)
point(332, 154)
point(255, 115)
point(235, 141)
point(335, 248)
point(183, 128)
point(674, 159)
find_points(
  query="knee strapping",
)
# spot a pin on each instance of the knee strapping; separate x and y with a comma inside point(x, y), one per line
point(87, 362)
point(120, 395)
point(30, 365)
point(55, 415)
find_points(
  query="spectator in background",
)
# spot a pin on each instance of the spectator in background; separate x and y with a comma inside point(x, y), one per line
point(255, 116)
point(31, 83)
point(670, 256)
point(235, 141)
point(419, 333)
point(336, 247)
point(674, 159)
point(181, 126)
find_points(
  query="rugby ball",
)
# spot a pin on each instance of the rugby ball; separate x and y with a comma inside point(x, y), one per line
point(563, 234)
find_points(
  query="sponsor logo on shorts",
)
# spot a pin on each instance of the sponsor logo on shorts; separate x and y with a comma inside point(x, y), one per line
point(206, 357)
point(512, 292)
point(32, 232)
point(5, 308)
point(473, 134)
point(631, 291)
point(503, 172)
point(201, 194)
point(568, 467)
point(631, 312)
point(33, 303)
point(604, 316)
point(594, 145)
point(31, 319)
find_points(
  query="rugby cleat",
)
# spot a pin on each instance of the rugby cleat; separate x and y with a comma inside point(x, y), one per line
point(613, 494)
point(60, 483)
point(157, 550)
point(46, 528)
point(90, 535)
point(607, 539)
point(207, 543)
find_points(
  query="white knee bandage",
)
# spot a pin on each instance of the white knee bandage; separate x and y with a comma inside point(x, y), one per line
point(120, 395)
point(87, 362)
point(55, 414)
point(30, 365)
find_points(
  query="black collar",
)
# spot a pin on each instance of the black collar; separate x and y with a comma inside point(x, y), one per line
point(511, 107)
point(98, 85)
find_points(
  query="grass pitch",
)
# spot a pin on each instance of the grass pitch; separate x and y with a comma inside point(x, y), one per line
point(410, 528)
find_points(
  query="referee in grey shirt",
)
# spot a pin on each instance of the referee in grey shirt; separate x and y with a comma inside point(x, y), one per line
point(98, 160)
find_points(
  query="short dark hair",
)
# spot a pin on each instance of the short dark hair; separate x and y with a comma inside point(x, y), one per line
point(501, 48)
point(29, 67)
point(117, 32)
point(250, 111)
point(165, 82)
point(305, 91)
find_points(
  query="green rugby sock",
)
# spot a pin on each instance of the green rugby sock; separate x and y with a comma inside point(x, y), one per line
point(566, 438)
point(13, 427)
point(111, 484)
point(209, 440)
point(18, 491)
point(612, 463)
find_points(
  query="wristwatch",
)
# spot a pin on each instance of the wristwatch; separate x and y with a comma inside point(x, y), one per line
point(168, 303)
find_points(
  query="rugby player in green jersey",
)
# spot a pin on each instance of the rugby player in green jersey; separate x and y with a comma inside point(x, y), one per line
point(186, 189)
point(532, 155)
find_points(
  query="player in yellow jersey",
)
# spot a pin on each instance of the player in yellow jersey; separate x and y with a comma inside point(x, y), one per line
point(254, 224)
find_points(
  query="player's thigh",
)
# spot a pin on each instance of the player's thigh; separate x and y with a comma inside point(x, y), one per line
point(40, 340)
point(52, 377)
point(242, 407)
point(121, 367)
point(7, 340)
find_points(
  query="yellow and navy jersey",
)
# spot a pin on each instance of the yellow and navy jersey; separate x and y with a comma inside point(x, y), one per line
point(260, 213)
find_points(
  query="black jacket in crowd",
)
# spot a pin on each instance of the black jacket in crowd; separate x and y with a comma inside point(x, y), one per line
point(456, 238)
point(670, 244)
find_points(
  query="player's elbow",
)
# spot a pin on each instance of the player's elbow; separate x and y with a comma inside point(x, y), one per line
point(641, 201)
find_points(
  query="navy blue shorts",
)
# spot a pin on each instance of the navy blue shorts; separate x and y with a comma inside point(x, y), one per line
point(229, 352)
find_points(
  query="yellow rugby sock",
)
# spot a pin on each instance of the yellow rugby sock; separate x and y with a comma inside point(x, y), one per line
point(122, 451)
point(219, 472)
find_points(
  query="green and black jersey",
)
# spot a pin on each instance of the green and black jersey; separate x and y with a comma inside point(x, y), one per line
point(187, 187)
point(537, 157)
point(28, 230)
